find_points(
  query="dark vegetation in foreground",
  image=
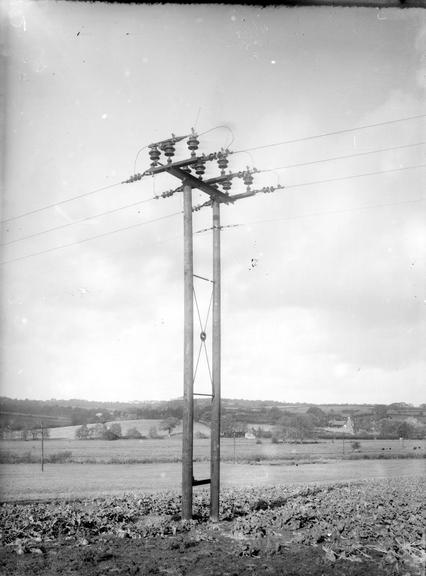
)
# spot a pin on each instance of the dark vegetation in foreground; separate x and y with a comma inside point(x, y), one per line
point(368, 527)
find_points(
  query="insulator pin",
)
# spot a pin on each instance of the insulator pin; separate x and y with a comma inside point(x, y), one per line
point(133, 178)
point(154, 155)
point(227, 184)
point(193, 143)
point(222, 162)
point(248, 178)
point(200, 168)
point(168, 193)
point(169, 150)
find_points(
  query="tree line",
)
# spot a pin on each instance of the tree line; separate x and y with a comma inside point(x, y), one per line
point(266, 419)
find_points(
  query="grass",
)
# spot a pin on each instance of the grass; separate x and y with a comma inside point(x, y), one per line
point(70, 481)
point(143, 426)
point(170, 450)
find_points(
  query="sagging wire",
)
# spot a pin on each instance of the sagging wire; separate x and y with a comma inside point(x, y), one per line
point(74, 222)
point(223, 126)
point(344, 157)
point(137, 156)
point(335, 132)
point(60, 202)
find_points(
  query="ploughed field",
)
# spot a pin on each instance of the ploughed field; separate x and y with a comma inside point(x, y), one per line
point(368, 527)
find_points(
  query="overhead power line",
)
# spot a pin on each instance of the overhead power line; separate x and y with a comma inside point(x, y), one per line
point(356, 154)
point(328, 180)
point(137, 156)
point(335, 132)
point(133, 204)
point(353, 176)
point(340, 178)
point(112, 211)
point(224, 127)
point(325, 213)
point(86, 219)
point(59, 203)
point(96, 190)
point(122, 229)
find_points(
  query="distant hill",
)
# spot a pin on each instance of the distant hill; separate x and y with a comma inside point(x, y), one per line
point(16, 414)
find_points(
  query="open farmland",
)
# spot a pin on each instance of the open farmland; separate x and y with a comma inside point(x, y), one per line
point(143, 425)
point(170, 449)
point(27, 481)
point(113, 506)
point(363, 528)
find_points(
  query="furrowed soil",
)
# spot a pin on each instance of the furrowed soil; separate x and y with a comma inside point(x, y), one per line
point(184, 555)
point(371, 527)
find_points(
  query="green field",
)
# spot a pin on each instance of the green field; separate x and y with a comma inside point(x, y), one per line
point(99, 467)
point(169, 450)
point(27, 481)
point(143, 425)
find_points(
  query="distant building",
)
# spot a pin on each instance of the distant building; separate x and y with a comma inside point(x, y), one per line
point(341, 426)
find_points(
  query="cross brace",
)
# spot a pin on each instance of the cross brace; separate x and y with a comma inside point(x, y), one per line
point(202, 278)
point(194, 182)
point(200, 482)
point(175, 168)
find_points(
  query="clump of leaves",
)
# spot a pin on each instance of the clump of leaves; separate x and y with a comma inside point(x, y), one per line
point(349, 521)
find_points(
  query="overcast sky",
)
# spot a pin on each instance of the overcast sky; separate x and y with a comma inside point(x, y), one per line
point(323, 286)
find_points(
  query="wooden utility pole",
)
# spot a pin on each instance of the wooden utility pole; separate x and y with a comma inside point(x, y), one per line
point(42, 446)
point(210, 186)
point(216, 349)
point(188, 371)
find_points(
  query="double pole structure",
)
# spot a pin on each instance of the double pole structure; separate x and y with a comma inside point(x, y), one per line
point(181, 170)
point(188, 408)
